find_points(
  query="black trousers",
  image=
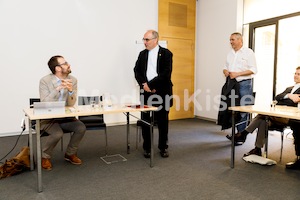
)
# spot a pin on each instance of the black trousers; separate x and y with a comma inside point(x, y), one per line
point(295, 126)
point(161, 118)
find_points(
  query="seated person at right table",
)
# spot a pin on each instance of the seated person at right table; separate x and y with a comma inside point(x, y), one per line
point(290, 97)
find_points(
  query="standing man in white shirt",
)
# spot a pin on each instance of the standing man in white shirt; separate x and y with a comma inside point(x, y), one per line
point(241, 65)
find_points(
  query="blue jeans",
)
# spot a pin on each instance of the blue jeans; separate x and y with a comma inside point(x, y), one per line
point(246, 94)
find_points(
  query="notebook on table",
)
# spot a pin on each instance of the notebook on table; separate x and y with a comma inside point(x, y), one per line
point(44, 108)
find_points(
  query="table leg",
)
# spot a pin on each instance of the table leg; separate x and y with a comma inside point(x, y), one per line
point(266, 136)
point(30, 146)
point(232, 140)
point(151, 138)
point(128, 133)
point(38, 153)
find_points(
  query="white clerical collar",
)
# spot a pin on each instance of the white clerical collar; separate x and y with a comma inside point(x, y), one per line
point(155, 49)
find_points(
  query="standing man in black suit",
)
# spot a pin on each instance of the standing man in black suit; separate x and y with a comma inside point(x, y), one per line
point(152, 71)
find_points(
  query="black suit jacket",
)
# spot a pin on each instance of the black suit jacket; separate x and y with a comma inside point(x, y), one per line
point(162, 82)
point(288, 102)
point(295, 124)
point(225, 115)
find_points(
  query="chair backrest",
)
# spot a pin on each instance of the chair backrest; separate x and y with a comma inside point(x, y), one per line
point(86, 100)
point(91, 122)
point(277, 127)
point(33, 122)
point(32, 100)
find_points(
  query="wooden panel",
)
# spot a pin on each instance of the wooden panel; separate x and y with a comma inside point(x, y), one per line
point(182, 77)
point(177, 15)
point(176, 18)
point(177, 26)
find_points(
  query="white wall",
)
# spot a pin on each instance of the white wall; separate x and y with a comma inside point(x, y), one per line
point(216, 20)
point(256, 10)
point(97, 37)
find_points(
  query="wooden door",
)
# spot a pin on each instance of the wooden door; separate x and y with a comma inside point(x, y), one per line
point(176, 25)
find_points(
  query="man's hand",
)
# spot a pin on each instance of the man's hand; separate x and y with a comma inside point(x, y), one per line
point(65, 83)
point(294, 97)
point(231, 74)
point(237, 74)
point(234, 75)
point(225, 72)
point(146, 87)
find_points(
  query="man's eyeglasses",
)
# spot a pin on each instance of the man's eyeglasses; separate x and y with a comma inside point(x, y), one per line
point(65, 63)
point(147, 39)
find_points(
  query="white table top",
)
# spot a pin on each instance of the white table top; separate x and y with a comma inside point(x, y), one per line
point(279, 111)
point(86, 110)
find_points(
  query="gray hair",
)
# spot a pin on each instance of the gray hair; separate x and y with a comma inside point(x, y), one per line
point(238, 35)
point(155, 34)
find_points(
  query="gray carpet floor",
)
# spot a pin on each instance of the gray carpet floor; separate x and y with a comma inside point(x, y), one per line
point(198, 168)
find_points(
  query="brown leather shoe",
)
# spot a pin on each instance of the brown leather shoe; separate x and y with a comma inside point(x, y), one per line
point(73, 159)
point(46, 164)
